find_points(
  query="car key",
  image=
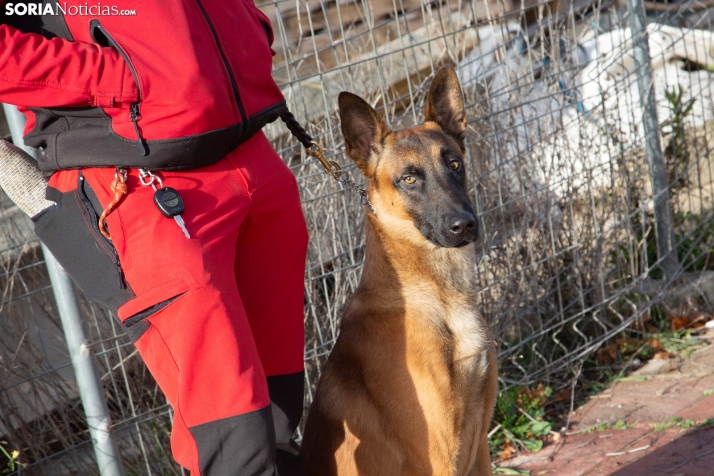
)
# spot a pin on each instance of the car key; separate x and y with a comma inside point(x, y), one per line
point(170, 204)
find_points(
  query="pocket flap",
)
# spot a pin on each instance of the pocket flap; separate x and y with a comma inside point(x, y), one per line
point(160, 293)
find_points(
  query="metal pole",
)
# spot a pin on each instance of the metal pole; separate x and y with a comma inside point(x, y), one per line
point(666, 243)
point(90, 387)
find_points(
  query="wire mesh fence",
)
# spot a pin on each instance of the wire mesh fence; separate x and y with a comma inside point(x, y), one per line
point(568, 253)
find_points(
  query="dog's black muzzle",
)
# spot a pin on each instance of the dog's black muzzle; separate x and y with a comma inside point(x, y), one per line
point(452, 230)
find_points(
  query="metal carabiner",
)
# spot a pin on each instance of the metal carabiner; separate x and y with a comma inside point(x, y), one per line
point(330, 166)
point(147, 178)
point(121, 172)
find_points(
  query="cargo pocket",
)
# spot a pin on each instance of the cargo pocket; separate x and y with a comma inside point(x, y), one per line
point(70, 230)
point(135, 314)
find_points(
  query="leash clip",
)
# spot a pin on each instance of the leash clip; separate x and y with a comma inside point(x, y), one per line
point(330, 166)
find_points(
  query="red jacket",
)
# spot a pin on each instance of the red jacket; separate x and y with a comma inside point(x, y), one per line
point(177, 85)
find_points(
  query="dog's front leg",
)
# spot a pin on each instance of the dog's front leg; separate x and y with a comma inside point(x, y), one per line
point(482, 466)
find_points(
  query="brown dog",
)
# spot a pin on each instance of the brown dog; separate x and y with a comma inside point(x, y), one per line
point(410, 385)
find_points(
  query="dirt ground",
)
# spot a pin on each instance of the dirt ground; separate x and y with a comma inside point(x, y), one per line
point(654, 422)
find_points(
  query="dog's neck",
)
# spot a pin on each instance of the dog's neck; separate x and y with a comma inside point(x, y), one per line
point(394, 261)
point(425, 284)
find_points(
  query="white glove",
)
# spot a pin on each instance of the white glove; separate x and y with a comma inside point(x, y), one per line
point(22, 180)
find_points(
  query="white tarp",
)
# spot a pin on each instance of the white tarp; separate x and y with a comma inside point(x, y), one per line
point(565, 128)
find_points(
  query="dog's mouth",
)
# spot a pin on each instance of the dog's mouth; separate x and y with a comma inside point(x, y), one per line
point(449, 242)
point(467, 241)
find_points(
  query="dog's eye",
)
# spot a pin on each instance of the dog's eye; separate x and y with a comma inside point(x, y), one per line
point(455, 165)
point(409, 179)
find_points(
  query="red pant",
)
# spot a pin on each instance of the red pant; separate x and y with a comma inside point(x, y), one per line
point(215, 314)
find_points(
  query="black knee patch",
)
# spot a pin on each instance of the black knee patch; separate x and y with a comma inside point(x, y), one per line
point(242, 444)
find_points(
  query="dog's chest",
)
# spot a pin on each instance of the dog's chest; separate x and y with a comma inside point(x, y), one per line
point(470, 337)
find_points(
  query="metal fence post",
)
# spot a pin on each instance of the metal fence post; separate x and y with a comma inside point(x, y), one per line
point(90, 387)
point(666, 242)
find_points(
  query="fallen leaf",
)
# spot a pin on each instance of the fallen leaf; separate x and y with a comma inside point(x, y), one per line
point(507, 452)
point(563, 396)
point(498, 470)
point(661, 355)
point(678, 323)
point(607, 355)
point(621, 341)
point(655, 344)
point(685, 315)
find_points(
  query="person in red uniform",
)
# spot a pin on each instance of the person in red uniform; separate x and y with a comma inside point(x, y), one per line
point(174, 96)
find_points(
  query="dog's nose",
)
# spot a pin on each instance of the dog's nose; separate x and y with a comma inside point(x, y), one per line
point(462, 223)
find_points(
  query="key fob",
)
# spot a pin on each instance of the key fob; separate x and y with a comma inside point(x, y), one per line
point(168, 201)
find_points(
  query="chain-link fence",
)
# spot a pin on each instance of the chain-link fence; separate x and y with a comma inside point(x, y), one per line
point(570, 255)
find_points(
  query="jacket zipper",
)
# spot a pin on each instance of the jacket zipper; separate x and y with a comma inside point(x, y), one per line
point(234, 84)
point(134, 114)
point(94, 219)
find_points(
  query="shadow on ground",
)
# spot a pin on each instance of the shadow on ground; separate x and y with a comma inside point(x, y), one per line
point(691, 454)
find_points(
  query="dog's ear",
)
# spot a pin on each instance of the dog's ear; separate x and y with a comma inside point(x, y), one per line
point(445, 104)
point(363, 129)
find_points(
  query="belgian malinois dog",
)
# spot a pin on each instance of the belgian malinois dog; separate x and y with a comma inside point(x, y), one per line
point(410, 385)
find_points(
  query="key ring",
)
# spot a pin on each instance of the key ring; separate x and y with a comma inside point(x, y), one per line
point(121, 172)
point(147, 178)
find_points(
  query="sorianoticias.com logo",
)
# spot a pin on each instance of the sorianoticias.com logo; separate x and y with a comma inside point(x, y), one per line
point(63, 9)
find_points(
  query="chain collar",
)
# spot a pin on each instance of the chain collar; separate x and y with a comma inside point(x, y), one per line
point(362, 192)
